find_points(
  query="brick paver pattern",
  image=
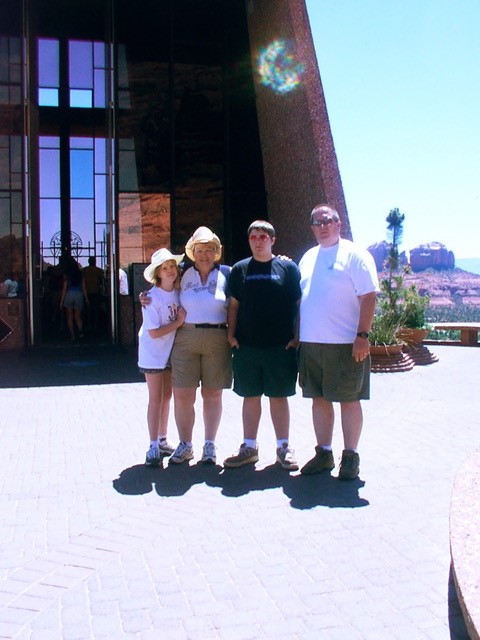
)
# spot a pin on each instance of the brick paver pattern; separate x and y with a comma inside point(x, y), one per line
point(96, 545)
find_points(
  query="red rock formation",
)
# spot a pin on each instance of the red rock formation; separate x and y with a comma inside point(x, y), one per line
point(380, 251)
point(433, 255)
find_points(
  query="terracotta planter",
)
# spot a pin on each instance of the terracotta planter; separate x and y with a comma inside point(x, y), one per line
point(412, 336)
point(385, 349)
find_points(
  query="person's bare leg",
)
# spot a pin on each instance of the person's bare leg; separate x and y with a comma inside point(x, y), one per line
point(69, 312)
point(155, 394)
point(280, 414)
point(352, 422)
point(251, 412)
point(212, 411)
point(323, 417)
point(77, 314)
point(184, 400)
point(165, 405)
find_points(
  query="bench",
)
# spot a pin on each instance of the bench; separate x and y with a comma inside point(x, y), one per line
point(468, 331)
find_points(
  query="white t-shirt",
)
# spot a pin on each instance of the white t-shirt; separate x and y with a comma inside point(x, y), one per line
point(154, 353)
point(331, 280)
point(123, 283)
point(204, 302)
point(12, 288)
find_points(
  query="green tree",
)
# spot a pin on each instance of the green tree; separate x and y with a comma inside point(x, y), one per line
point(392, 287)
point(394, 222)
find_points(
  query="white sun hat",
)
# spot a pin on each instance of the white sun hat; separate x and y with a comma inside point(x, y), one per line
point(159, 257)
point(203, 235)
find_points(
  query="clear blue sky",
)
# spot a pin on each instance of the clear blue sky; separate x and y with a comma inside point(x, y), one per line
point(402, 86)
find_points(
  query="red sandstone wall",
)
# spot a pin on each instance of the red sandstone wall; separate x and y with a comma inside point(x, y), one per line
point(299, 158)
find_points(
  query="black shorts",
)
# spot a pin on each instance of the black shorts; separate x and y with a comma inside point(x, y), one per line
point(270, 371)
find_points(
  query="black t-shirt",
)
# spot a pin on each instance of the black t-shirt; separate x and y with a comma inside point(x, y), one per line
point(268, 293)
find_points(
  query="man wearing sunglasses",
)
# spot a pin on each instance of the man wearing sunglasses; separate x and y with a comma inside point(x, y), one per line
point(339, 284)
point(263, 292)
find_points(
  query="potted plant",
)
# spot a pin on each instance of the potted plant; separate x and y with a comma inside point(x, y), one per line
point(413, 330)
point(383, 334)
point(389, 317)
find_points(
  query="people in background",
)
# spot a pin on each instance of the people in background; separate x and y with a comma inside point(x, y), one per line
point(93, 277)
point(73, 296)
point(122, 283)
point(11, 284)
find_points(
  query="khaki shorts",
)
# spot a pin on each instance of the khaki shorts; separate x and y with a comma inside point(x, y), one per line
point(329, 371)
point(201, 356)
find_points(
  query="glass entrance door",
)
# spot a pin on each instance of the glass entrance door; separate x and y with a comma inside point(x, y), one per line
point(75, 184)
point(74, 224)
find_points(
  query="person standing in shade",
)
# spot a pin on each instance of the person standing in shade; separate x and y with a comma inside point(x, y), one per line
point(93, 277)
point(161, 319)
point(339, 284)
point(263, 293)
point(73, 295)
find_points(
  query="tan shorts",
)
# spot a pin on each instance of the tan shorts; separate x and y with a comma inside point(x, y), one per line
point(201, 356)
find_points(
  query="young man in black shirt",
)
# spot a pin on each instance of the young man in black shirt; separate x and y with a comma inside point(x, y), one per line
point(264, 293)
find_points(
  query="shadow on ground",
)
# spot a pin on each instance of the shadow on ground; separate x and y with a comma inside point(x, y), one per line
point(65, 366)
point(305, 492)
point(458, 628)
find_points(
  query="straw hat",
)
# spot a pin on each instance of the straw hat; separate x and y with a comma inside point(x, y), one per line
point(158, 258)
point(203, 235)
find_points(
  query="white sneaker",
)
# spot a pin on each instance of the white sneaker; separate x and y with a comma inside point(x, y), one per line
point(165, 448)
point(182, 453)
point(286, 458)
point(209, 453)
point(153, 459)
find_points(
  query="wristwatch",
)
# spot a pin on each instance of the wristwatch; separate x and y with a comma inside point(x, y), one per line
point(362, 334)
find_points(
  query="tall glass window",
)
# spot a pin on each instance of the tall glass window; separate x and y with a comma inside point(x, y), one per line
point(10, 70)
point(86, 78)
point(48, 72)
point(87, 74)
point(88, 202)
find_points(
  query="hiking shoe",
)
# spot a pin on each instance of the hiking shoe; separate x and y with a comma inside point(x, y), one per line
point(286, 458)
point(182, 453)
point(209, 453)
point(322, 460)
point(153, 458)
point(165, 448)
point(349, 466)
point(245, 455)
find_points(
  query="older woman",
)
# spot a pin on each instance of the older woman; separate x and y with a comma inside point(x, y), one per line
point(201, 353)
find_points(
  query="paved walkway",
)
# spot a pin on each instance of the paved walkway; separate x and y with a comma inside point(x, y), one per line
point(95, 545)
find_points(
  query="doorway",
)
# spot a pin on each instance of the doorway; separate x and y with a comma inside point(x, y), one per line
point(73, 204)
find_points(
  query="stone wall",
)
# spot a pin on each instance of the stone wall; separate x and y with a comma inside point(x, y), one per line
point(300, 164)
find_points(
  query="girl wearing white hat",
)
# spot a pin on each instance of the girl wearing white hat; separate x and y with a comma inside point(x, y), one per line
point(161, 320)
